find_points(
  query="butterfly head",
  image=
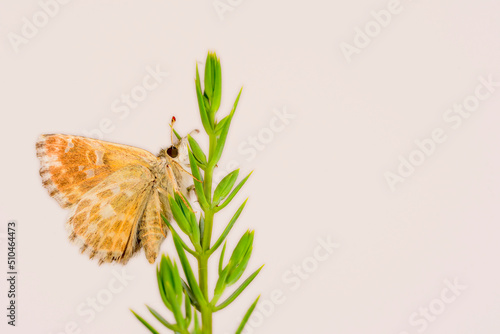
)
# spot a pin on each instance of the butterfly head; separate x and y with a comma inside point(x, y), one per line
point(178, 151)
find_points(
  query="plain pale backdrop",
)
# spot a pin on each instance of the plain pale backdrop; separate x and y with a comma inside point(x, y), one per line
point(320, 175)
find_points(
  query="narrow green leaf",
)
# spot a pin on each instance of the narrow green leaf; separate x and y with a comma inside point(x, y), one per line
point(190, 216)
point(220, 125)
point(221, 141)
point(197, 185)
point(165, 271)
point(202, 228)
point(197, 329)
point(238, 291)
point(169, 289)
point(187, 309)
point(191, 295)
point(179, 217)
point(233, 193)
point(174, 232)
point(225, 186)
point(237, 271)
point(201, 105)
point(162, 290)
point(197, 151)
point(177, 283)
point(191, 279)
point(247, 316)
point(178, 136)
point(217, 89)
point(161, 319)
point(220, 286)
point(228, 227)
point(241, 249)
point(210, 113)
point(221, 259)
point(145, 323)
point(183, 202)
point(209, 76)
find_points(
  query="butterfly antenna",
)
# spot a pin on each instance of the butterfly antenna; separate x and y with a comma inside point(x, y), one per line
point(172, 130)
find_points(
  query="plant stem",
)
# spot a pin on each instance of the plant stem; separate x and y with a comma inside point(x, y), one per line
point(209, 170)
point(206, 320)
point(203, 275)
point(206, 310)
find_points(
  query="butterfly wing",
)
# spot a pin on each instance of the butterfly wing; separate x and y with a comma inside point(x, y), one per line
point(152, 230)
point(72, 165)
point(105, 221)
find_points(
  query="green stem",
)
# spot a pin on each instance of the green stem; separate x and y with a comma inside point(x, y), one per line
point(206, 310)
point(203, 274)
point(209, 170)
point(206, 320)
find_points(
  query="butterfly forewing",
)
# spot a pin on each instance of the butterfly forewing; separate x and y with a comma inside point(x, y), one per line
point(72, 165)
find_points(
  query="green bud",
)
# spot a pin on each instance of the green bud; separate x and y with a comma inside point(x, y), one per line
point(240, 257)
point(225, 186)
point(179, 217)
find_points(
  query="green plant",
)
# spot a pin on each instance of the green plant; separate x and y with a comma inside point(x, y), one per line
point(188, 298)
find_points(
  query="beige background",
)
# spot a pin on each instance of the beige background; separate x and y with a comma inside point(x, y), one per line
point(319, 176)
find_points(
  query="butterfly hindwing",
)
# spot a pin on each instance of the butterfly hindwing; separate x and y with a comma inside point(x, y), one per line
point(105, 221)
point(152, 230)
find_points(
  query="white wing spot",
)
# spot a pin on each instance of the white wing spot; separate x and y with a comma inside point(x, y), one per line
point(51, 187)
point(80, 168)
point(99, 155)
point(107, 212)
point(129, 193)
point(92, 228)
point(90, 173)
point(116, 190)
point(70, 145)
point(48, 160)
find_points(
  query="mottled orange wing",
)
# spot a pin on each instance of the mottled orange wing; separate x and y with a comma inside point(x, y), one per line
point(152, 231)
point(105, 221)
point(72, 165)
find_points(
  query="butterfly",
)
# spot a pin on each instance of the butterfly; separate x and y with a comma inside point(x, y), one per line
point(116, 193)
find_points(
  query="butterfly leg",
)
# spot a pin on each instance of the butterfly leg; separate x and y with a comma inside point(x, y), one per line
point(185, 171)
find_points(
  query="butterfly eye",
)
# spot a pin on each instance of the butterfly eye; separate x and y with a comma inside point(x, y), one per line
point(172, 152)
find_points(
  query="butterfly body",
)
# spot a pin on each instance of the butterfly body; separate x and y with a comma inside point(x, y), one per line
point(116, 193)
